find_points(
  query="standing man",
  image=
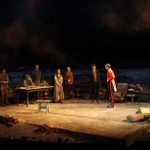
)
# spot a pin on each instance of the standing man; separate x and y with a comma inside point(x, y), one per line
point(68, 84)
point(95, 83)
point(4, 88)
point(36, 75)
point(111, 84)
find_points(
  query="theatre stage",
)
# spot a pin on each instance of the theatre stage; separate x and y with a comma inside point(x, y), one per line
point(76, 121)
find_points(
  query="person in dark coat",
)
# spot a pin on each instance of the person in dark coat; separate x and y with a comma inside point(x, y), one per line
point(36, 75)
point(95, 83)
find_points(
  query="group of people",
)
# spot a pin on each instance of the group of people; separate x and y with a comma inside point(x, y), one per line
point(63, 84)
point(95, 84)
point(34, 79)
point(68, 80)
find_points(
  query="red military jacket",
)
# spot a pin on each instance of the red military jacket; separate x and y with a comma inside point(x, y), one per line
point(110, 75)
point(111, 78)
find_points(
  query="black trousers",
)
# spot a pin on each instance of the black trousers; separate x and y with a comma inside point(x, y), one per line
point(95, 91)
point(69, 90)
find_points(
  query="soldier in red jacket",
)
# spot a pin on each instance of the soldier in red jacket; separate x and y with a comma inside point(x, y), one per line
point(111, 84)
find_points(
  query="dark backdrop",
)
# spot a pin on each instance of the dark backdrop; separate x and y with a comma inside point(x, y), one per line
point(76, 32)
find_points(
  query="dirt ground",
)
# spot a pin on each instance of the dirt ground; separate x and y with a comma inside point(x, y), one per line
point(76, 121)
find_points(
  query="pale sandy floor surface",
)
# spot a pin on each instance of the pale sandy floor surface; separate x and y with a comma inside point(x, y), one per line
point(79, 116)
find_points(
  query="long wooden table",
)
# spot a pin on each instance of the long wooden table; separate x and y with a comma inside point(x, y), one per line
point(31, 89)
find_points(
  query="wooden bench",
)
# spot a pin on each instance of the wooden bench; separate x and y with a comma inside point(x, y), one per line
point(43, 104)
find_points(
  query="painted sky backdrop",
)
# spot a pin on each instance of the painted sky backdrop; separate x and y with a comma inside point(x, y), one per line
point(74, 31)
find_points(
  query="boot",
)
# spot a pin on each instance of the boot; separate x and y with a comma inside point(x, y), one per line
point(1, 103)
point(6, 101)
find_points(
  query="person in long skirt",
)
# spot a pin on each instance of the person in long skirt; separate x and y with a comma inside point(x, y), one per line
point(58, 87)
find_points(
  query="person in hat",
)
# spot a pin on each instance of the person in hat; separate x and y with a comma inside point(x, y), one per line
point(111, 84)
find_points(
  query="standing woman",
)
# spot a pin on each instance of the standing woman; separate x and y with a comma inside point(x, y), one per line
point(111, 84)
point(58, 87)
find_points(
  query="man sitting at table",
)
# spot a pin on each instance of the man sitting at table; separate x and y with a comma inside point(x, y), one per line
point(28, 81)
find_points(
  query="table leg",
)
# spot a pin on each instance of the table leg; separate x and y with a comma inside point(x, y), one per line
point(27, 98)
point(47, 107)
point(38, 95)
point(39, 107)
point(132, 99)
point(17, 97)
